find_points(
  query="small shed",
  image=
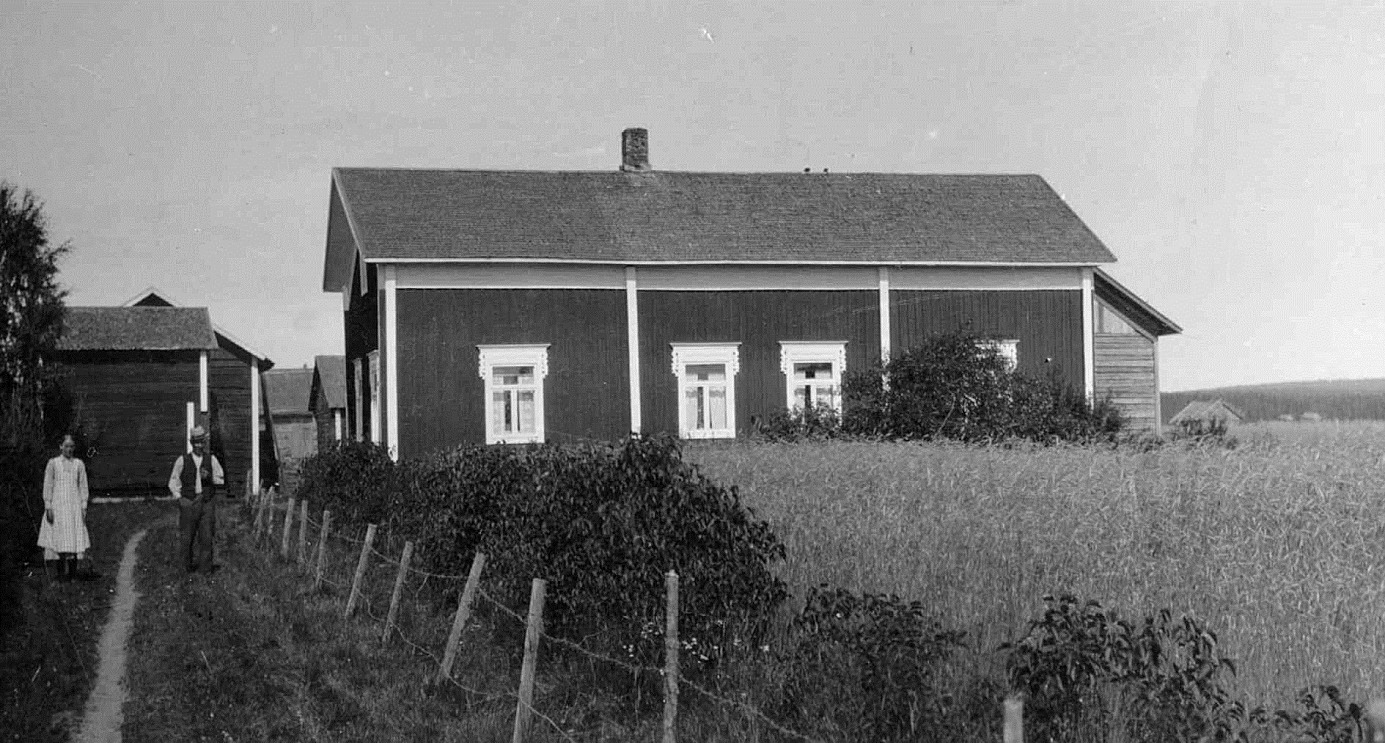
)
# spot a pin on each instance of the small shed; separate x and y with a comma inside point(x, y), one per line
point(295, 431)
point(328, 399)
point(1203, 415)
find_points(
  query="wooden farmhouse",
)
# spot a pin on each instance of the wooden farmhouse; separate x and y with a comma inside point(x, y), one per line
point(295, 430)
point(328, 399)
point(520, 306)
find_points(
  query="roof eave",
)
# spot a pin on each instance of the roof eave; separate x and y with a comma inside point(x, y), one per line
point(1162, 325)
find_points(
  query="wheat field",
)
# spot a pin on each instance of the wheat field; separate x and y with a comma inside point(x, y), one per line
point(1278, 544)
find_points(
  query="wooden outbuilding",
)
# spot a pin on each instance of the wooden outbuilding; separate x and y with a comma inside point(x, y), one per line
point(138, 378)
point(295, 430)
point(518, 306)
point(1203, 415)
point(328, 399)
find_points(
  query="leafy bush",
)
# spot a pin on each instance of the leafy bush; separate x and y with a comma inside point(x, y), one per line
point(866, 667)
point(355, 480)
point(959, 387)
point(818, 423)
point(601, 523)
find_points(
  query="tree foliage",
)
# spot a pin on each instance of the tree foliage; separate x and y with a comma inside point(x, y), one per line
point(31, 316)
point(31, 301)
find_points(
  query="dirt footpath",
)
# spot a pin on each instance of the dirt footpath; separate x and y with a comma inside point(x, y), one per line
point(105, 707)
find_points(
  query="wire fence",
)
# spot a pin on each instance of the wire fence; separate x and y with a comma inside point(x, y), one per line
point(273, 522)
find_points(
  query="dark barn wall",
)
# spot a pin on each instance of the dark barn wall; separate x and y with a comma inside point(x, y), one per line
point(362, 337)
point(134, 415)
point(1047, 324)
point(759, 320)
point(586, 393)
point(228, 380)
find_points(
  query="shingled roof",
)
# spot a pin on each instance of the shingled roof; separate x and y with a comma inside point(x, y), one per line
point(137, 329)
point(288, 390)
point(391, 215)
point(331, 374)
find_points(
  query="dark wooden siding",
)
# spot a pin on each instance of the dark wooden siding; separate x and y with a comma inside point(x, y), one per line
point(586, 393)
point(1047, 324)
point(325, 423)
point(759, 320)
point(133, 408)
point(362, 337)
point(296, 435)
point(1124, 371)
point(228, 380)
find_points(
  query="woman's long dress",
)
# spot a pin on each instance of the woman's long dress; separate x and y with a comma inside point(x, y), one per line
point(65, 491)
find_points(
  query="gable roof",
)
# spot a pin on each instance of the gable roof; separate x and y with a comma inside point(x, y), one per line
point(137, 329)
point(1204, 409)
point(288, 390)
point(401, 215)
point(330, 373)
point(1137, 310)
point(153, 297)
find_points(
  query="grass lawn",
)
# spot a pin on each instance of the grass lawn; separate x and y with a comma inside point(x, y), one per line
point(48, 665)
point(252, 654)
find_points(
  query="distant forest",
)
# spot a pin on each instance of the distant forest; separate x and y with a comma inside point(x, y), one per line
point(1346, 399)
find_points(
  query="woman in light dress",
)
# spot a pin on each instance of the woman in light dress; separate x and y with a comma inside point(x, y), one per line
point(64, 528)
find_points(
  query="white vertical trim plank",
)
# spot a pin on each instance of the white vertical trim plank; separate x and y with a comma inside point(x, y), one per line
point(391, 344)
point(884, 282)
point(336, 422)
point(255, 426)
point(192, 415)
point(202, 394)
point(632, 342)
point(1088, 347)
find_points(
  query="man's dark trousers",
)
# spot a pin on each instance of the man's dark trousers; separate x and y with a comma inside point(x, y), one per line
point(197, 531)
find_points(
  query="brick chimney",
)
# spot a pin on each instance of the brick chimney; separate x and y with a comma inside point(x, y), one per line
point(634, 149)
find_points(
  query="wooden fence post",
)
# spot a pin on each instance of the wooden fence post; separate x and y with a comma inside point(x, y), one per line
point(360, 571)
point(524, 710)
point(671, 657)
point(303, 531)
point(322, 549)
point(1014, 719)
point(398, 590)
point(288, 530)
point(266, 500)
point(449, 653)
point(1375, 721)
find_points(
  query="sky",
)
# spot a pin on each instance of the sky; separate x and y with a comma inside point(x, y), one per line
point(1231, 155)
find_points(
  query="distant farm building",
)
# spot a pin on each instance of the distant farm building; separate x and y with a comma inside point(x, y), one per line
point(1287, 418)
point(1205, 415)
point(295, 430)
point(328, 399)
point(1311, 417)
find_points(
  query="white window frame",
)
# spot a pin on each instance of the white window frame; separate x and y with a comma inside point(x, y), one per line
point(375, 428)
point(1008, 349)
point(531, 354)
point(686, 354)
point(812, 352)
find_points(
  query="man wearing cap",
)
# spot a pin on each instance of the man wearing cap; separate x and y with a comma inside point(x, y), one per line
point(197, 477)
